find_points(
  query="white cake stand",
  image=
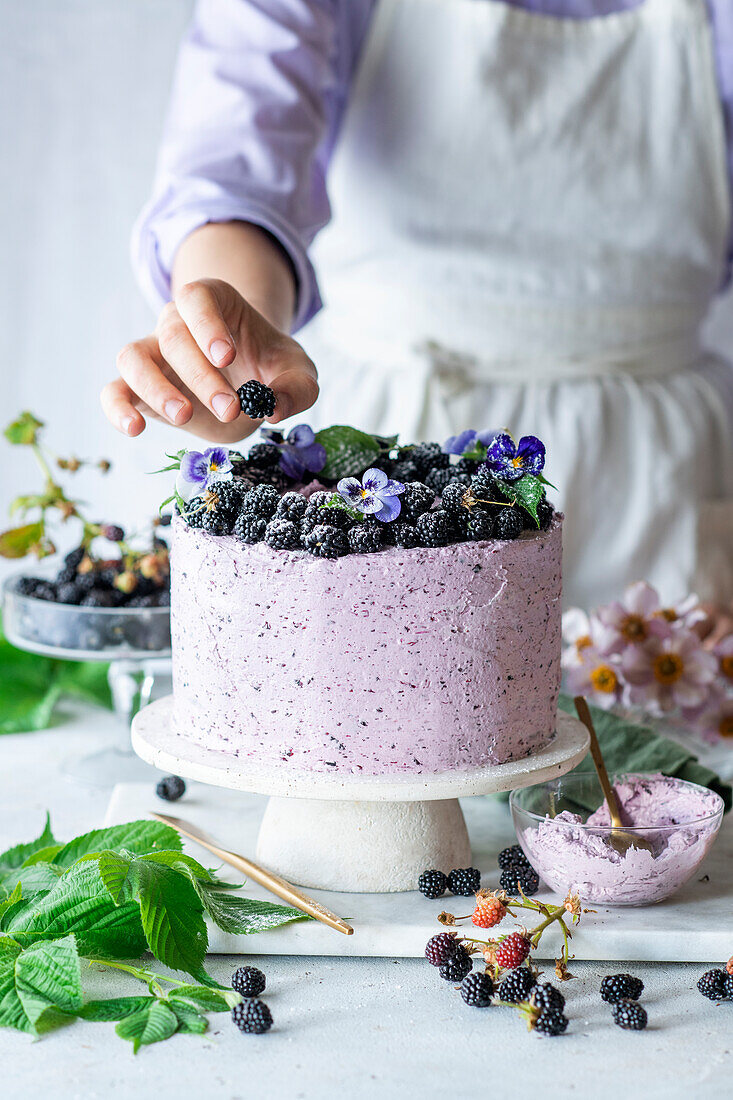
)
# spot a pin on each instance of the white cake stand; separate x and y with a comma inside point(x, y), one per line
point(358, 833)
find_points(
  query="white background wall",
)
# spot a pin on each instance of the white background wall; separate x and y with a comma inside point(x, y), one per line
point(83, 88)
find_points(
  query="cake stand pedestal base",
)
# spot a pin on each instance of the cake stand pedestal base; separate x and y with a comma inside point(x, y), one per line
point(356, 833)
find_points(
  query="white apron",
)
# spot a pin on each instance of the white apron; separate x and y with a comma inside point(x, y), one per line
point(531, 217)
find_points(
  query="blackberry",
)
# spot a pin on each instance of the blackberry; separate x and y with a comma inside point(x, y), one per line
point(508, 857)
point(312, 517)
point(452, 498)
point(256, 399)
point(439, 478)
point(551, 1022)
point(276, 477)
point(516, 986)
point(439, 948)
point(333, 512)
point(455, 968)
point(405, 470)
point(149, 600)
point(263, 455)
point(26, 586)
point(261, 501)
point(426, 456)
point(546, 997)
point(630, 1015)
point(364, 539)
point(513, 950)
point(194, 513)
point(249, 527)
point(249, 981)
point(327, 542)
point(74, 557)
point(432, 884)
point(170, 788)
point(466, 466)
point(519, 874)
point(69, 593)
point(65, 575)
point(508, 524)
point(464, 881)
point(252, 1017)
point(484, 484)
point(404, 535)
point(620, 987)
point(291, 506)
point(416, 499)
point(98, 597)
point(113, 532)
point(319, 498)
point(480, 526)
point(434, 528)
point(216, 523)
point(714, 985)
point(477, 990)
point(282, 534)
point(545, 512)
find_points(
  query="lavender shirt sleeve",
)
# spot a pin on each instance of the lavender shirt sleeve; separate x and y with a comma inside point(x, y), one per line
point(247, 137)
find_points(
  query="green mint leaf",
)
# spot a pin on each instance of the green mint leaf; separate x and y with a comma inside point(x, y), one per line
point(527, 492)
point(16, 542)
point(38, 878)
point(114, 1008)
point(190, 1022)
point(138, 837)
point(543, 479)
point(340, 503)
point(152, 1024)
point(17, 856)
point(348, 451)
point(38, 981)
point(205, 998)
point(171, 914)
point(114, 871)
point(24, 430)
point(245, 916)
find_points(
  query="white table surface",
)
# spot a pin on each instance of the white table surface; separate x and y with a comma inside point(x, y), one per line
point(360, 1028)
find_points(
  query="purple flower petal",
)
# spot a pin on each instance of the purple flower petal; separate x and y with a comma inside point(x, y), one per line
point(391, 489)
point(194, 467)
point(351, 490)
point(391, 508)
point(291, 462)
point(371, 504)
point(374, 480)
point(459, 444)
point(487, 437)
point(531, 451)
point(501, 449)
point(313, 457)
point(218, 459)
point(302, 435)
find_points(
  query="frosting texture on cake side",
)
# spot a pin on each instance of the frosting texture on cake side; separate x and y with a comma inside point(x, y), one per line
point(419, 660)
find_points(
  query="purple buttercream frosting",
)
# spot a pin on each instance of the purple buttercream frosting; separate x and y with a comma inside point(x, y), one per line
point(416, 661)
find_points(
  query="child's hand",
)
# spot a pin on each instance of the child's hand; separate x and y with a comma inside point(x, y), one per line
point(206, 343)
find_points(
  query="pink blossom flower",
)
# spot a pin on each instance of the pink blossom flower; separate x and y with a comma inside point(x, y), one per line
point(632, 620)
point(667, 672)
point(724, 653)
point(596, 676)
point(715, 721)
point(577, 634)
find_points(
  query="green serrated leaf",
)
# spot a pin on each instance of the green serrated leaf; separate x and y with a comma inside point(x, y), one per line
point(36, 878)
point(171, 914)
point(17, 855)
point(190, 1022)
point(205, 998)
point(153, 1024)
point(348, 451)
point(137, 837)
point(245, 916)
point(115, 1008)
point(17, 541)
point(114, 870)
point(23, 430)
point(24, 503)
point(527, 492)
point(48, 975)
point(14, 896)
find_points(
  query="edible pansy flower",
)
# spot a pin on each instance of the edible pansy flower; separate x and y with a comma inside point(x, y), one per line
point(595, 675)
point(299, 451)
point(200, 469)
point(375, 495)
point(466, 441)
point(510, 461)
point(668, 672)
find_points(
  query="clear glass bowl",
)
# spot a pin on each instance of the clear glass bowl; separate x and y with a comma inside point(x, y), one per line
point(577, 856)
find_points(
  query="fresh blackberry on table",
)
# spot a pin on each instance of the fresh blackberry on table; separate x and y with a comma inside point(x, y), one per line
point(364, 539)
point(261, 501)
point(508, 857)
point(630, 1015)
point(477, 990)
point(546, 997)
point(291, 506)
point(432, 884)
point(263, 455)
point(256, 399)
point(327, 542)
point(404, 535)
point(455, 968)
point(715, 985)
point(516, 986)
point(434, 528)
point(100, 597)
point(480, 526)
point(620, 987)
point(69, 593)
point(439, 478)
point(249, 981)
point(439, 948)
point(545, 512)
point(170, 788)
point(508, 524)
point(519, 875)
point(282, 534)
point(249, 528)
point(252, 1017)
point(464, 881)
point(416, 499)
point(550, 1022)
point(452, 498)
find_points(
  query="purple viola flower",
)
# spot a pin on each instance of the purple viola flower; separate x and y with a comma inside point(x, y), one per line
point(199, 469)
point(467, 440)
point(299, 451)
point(375, 495)
point(511, 461)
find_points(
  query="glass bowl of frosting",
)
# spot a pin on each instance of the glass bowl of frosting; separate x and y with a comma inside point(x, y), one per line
point(565, 830)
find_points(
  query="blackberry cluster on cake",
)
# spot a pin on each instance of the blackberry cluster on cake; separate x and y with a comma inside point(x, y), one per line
point(444, 499)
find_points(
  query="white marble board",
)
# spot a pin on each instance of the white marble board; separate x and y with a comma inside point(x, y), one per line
point(696, 925)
